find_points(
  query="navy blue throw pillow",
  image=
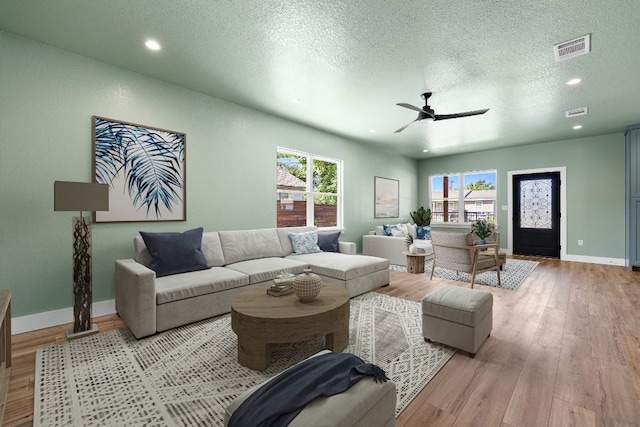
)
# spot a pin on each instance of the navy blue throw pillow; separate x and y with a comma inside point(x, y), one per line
point(328, 241)
point(174, 253)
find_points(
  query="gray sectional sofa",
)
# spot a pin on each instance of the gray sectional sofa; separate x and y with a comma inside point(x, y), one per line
point(238, 260)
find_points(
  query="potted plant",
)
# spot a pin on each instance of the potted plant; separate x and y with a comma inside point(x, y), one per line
point(483, 229)
point(422, 218)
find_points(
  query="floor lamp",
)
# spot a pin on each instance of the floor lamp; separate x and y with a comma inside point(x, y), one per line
point(83, 197)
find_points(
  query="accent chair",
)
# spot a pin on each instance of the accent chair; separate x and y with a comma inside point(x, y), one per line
point(456, 251)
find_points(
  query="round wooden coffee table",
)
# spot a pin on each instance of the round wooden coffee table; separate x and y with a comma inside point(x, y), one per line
point(260, 320)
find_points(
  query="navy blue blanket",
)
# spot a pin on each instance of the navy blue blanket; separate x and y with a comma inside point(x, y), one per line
point(281, 399)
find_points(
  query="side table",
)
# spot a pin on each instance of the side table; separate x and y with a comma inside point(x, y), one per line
point(415, 262)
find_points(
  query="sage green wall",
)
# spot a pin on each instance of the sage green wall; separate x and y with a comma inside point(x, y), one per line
point(594, 185)
point(48, 97)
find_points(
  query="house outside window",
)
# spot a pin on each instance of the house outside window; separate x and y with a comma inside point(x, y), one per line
point(308, 195)
point(475, 199)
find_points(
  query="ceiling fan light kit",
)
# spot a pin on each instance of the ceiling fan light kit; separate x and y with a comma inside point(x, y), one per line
point(428, 114)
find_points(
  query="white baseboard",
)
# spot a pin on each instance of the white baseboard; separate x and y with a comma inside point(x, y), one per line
point(57, 317)
point(586, 259)
point(595, 260)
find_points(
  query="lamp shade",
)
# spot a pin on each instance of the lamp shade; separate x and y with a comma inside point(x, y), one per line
point(80, 196)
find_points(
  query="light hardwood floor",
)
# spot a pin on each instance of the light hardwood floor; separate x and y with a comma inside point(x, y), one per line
point(564, 351)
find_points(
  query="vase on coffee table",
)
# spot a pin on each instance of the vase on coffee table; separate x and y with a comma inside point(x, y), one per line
point(307, 286)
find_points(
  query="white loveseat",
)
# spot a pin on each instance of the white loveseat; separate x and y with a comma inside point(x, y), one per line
point(237, 260)
point(378, 244)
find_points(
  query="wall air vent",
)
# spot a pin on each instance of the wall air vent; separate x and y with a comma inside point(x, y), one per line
point(582, 111)
point(572, 48)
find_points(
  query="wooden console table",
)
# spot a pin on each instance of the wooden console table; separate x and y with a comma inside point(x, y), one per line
point(5, 347)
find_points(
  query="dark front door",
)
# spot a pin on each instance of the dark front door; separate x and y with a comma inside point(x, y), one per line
point(536, 219)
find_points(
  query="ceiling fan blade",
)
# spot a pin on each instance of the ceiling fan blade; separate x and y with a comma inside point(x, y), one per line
point(406, 126)
point(458, 115)
point(411, 107)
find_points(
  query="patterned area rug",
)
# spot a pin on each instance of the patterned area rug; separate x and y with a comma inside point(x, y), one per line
point(513, 275)
point(188, 375)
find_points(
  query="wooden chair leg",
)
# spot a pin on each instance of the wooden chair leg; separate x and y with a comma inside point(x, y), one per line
point(473, 274)
point(433, 267)
point(475, 256)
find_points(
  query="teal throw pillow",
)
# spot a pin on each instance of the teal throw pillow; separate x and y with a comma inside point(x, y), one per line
point(305, 243)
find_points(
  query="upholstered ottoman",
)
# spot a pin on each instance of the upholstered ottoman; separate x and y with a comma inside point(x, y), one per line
point(458, 317)
point(365, 404)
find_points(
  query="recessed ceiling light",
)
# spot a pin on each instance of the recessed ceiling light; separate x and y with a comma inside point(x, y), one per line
point(296, 100)
point(574, 81)
point(425, 151)
point(577, 127)
point(152, 44)
point(373, 130)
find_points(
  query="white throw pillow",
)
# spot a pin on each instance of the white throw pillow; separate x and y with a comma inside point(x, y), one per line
point(397, 233)
point(411, 231)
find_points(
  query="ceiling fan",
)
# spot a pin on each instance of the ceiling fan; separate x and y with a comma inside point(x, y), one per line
point(427, 113)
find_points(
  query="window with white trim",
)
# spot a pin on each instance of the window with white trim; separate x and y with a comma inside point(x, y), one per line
point(475, 199)
point(308, 195)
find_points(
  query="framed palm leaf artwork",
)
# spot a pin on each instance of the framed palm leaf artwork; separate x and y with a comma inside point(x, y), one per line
point(145, 169)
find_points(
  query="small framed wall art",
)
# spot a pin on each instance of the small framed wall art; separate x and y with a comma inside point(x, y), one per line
point(387, 197)
point(145, 169)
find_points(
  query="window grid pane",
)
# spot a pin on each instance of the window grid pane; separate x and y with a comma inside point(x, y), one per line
point(296, 185)
point(476, 200)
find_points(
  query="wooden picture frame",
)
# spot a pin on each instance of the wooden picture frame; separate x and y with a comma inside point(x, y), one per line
point(145, 169)
point(386, 197)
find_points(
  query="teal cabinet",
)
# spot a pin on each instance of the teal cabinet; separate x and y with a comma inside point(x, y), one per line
point(632, 193)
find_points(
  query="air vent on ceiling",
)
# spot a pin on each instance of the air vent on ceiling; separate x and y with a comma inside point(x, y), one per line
point(582, 111)
point(572, 48)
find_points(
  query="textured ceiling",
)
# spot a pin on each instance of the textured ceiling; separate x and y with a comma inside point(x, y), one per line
point(350, 61)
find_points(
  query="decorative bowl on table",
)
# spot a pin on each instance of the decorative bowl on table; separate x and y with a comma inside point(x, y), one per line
point(307, 286)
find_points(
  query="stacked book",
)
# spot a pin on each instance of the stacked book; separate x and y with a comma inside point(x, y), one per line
point(284, 278)
point(279, 289)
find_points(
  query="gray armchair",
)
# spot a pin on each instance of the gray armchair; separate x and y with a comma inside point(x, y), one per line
point(456, 251)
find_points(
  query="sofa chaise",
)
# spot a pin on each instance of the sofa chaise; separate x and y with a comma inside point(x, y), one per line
point(236, 260)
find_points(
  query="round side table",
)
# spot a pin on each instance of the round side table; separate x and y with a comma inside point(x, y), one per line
point(415, 262)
